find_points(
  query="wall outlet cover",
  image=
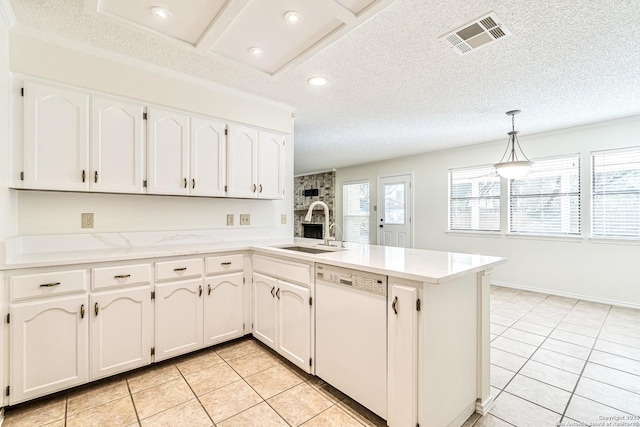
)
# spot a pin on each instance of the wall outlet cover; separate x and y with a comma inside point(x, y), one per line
point(283, 219)
point(87, 220)
point(230, 219)
point(245, 219)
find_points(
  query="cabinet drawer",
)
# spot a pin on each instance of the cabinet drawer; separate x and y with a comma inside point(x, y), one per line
point(223, 264)
point(181, 269)
point(122, 275)
point(47, 284)
point(288, 270)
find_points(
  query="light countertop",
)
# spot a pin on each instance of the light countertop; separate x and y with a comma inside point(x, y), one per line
point(412, 264)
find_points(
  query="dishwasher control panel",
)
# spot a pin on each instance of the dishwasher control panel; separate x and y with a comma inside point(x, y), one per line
point(356, 279)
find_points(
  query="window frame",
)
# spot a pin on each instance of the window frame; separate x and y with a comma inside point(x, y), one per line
point(366, 218)
point(488, 168)
point(578, 195)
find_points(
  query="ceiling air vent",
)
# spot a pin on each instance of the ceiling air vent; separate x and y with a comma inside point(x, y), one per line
point(476, 34)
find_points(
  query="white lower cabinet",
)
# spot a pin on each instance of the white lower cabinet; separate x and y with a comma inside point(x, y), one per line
point(179, 318)
point(223, 308)
point(282, 318)
point(402, 367)
point(121, 330)
point(49, 346)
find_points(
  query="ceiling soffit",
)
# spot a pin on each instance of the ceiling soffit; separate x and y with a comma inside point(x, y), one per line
point(229, 29)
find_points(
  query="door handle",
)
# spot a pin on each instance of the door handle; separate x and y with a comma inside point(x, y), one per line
point(95, 309)
point(381, 226)
point(394, 305)
point(272, 289)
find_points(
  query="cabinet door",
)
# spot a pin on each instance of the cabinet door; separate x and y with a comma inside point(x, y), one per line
point(208, 157)
point(242, 157)
point(402, 403)
point(223, 313)
point(270, 166)
point(121, 330)
point(49, 348)
point(116, 146)
point(56, 155)
point(294, 324)
point(178, 318)
point(264, 309)
point(168, 157)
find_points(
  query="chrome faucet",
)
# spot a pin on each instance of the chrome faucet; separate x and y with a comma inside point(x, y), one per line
point(327, 235)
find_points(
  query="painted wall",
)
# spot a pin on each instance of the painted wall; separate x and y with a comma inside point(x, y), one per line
point(40, 212)
point(592, 269)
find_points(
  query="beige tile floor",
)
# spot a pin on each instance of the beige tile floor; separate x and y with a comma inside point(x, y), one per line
point(242, 383)
point(554, 360)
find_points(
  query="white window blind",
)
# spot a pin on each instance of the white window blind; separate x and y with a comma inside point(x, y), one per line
point(355, 197)
point(547, 200)
point(474, 199)
point(616, 193)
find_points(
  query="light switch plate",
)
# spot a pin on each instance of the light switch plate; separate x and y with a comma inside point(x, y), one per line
point(87, 220)
point(245, 219)
point(283, 219)
point(230, 219)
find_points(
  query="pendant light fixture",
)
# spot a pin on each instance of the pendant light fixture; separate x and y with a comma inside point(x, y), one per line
point(510, 166)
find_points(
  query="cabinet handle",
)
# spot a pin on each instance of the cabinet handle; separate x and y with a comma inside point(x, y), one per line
point(180, 269)
point(394, 305)
point(254, 188)
point(95, 308)
point(261, 188)
point(200, 290)
point(185, 183)
point(121, 276)
point(193, 183)
point(82, 311)
point(278, 293)
point(272, 289)
point(84, 176)
point(209, 289)
point(95, 177)
point(226, 263)
point(49, 285)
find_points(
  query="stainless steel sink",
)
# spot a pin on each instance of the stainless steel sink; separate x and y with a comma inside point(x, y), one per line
point(307, 249)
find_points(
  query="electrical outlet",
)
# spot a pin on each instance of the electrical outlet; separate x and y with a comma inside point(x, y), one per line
point(87, 220)
point(283, 219)
point(245, 219)
point(230, 219)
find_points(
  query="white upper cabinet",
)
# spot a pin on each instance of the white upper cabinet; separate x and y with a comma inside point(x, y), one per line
point(208, 157)
point(242, 162)
point(255, 161)
point(270, 166)
point(117, 143)
point(56, 131)
point(168, 157)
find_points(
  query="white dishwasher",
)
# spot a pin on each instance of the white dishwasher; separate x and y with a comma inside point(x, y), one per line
point(351, 334)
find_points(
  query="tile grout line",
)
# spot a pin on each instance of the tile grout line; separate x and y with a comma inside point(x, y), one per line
point(133, 402)
point(595, 341)
point(193, 391)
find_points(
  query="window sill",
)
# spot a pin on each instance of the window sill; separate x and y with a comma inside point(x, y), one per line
point(475, 233)
point(612, 241)
point(574, 239)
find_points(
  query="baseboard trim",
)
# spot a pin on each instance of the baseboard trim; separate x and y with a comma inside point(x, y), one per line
point(566, 294)
point(483, 407)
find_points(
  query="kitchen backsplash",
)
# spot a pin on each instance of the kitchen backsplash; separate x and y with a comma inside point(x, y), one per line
point(325, 184)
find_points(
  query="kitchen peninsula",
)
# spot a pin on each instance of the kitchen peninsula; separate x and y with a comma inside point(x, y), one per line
point(437, 310)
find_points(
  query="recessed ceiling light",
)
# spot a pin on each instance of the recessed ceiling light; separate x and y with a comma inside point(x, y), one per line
point(256, 51)
point(292, 16)
point(318, 81)
point(160, 12)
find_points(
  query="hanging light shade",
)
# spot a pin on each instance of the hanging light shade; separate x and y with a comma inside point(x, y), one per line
point(511, 166)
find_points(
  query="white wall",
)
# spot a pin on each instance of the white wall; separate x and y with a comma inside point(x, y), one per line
point(596, 270)
point(40, 212)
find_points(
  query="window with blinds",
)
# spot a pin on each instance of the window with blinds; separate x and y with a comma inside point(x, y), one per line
point(615, 197)
point(474, 199)
point(355, 208)
point(547, 200)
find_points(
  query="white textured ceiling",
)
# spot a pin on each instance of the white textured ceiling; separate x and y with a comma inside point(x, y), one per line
point(395, 90)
